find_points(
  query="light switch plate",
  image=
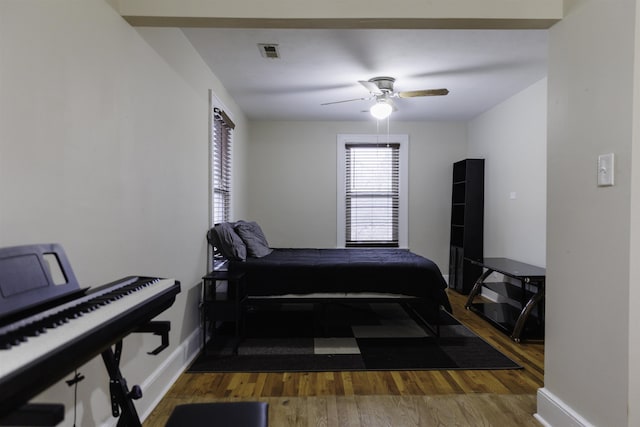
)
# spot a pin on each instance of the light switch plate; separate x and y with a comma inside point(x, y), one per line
point(605, 170)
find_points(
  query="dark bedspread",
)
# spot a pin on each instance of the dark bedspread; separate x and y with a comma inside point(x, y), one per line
point(306, 271)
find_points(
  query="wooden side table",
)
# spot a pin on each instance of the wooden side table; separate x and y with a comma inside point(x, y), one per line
point(223, 297)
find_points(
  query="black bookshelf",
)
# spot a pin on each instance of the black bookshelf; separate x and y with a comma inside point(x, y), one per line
point(467, 224)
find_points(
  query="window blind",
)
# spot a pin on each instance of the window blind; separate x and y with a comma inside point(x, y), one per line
point(372, 194)
point(222, 128)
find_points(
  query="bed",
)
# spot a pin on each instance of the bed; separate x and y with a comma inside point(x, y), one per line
point(286, 274)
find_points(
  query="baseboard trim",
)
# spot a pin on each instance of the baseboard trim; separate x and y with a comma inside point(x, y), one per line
point(168, 372)
point(553, 412)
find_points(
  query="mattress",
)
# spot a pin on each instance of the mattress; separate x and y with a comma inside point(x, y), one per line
point(347, 271)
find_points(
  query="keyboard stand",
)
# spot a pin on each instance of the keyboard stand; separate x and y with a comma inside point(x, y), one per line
point(160, 328)
point(121, 397)
point(49, 414)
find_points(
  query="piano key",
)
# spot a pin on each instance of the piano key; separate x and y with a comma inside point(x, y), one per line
point(49, 325)
point(50, 318)
point(21, 354)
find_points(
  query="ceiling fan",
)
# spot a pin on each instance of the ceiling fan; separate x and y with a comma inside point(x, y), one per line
point(381, 89)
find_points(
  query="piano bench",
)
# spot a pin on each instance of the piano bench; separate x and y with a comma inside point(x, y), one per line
point(220, 414)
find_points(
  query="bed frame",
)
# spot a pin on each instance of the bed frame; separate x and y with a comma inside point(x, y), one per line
point(325, 299)
point(411, 303)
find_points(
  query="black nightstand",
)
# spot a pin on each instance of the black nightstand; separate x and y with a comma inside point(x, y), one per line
point(223, 297)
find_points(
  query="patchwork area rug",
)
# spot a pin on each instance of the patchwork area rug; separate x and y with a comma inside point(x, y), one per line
point(345, 337)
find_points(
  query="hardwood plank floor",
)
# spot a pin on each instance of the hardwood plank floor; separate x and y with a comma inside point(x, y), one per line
point(388, 398)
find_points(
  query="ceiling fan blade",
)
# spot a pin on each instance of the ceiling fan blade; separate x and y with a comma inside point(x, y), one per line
point(426, 92)
point(346, 100)
point(371, 87)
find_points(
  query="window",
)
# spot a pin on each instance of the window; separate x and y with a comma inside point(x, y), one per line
point(372, 194)
point(221, 132)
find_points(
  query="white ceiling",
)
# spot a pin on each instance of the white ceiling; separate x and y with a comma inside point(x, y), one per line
point(480, 68)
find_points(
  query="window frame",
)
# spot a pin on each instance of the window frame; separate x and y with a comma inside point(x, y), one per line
point(403, 209)
point(216, 109)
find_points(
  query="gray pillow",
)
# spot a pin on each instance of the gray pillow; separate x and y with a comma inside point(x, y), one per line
point(231, 245)
point(253, 237)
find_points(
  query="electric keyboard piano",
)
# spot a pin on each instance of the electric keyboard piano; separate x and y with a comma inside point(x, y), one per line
point(49, 325)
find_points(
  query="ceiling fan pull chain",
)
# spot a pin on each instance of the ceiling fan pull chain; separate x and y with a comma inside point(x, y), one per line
point(388, 121)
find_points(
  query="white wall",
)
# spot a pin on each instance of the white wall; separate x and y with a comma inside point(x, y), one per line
point(292, 181)
point(103, 148)
point(591, 93)
point(634, 278)
point(512, 138)
point(178, 53)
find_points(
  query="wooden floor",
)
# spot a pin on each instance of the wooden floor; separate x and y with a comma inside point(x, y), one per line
point(389, 398)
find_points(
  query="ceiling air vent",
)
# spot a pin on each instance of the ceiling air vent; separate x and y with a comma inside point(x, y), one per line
point(269, 50)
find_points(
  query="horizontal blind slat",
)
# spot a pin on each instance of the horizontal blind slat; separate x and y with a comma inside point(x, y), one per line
point(372, 194)
point(221, 165)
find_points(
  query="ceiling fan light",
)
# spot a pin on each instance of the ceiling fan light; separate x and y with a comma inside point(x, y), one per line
point(381, 110)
